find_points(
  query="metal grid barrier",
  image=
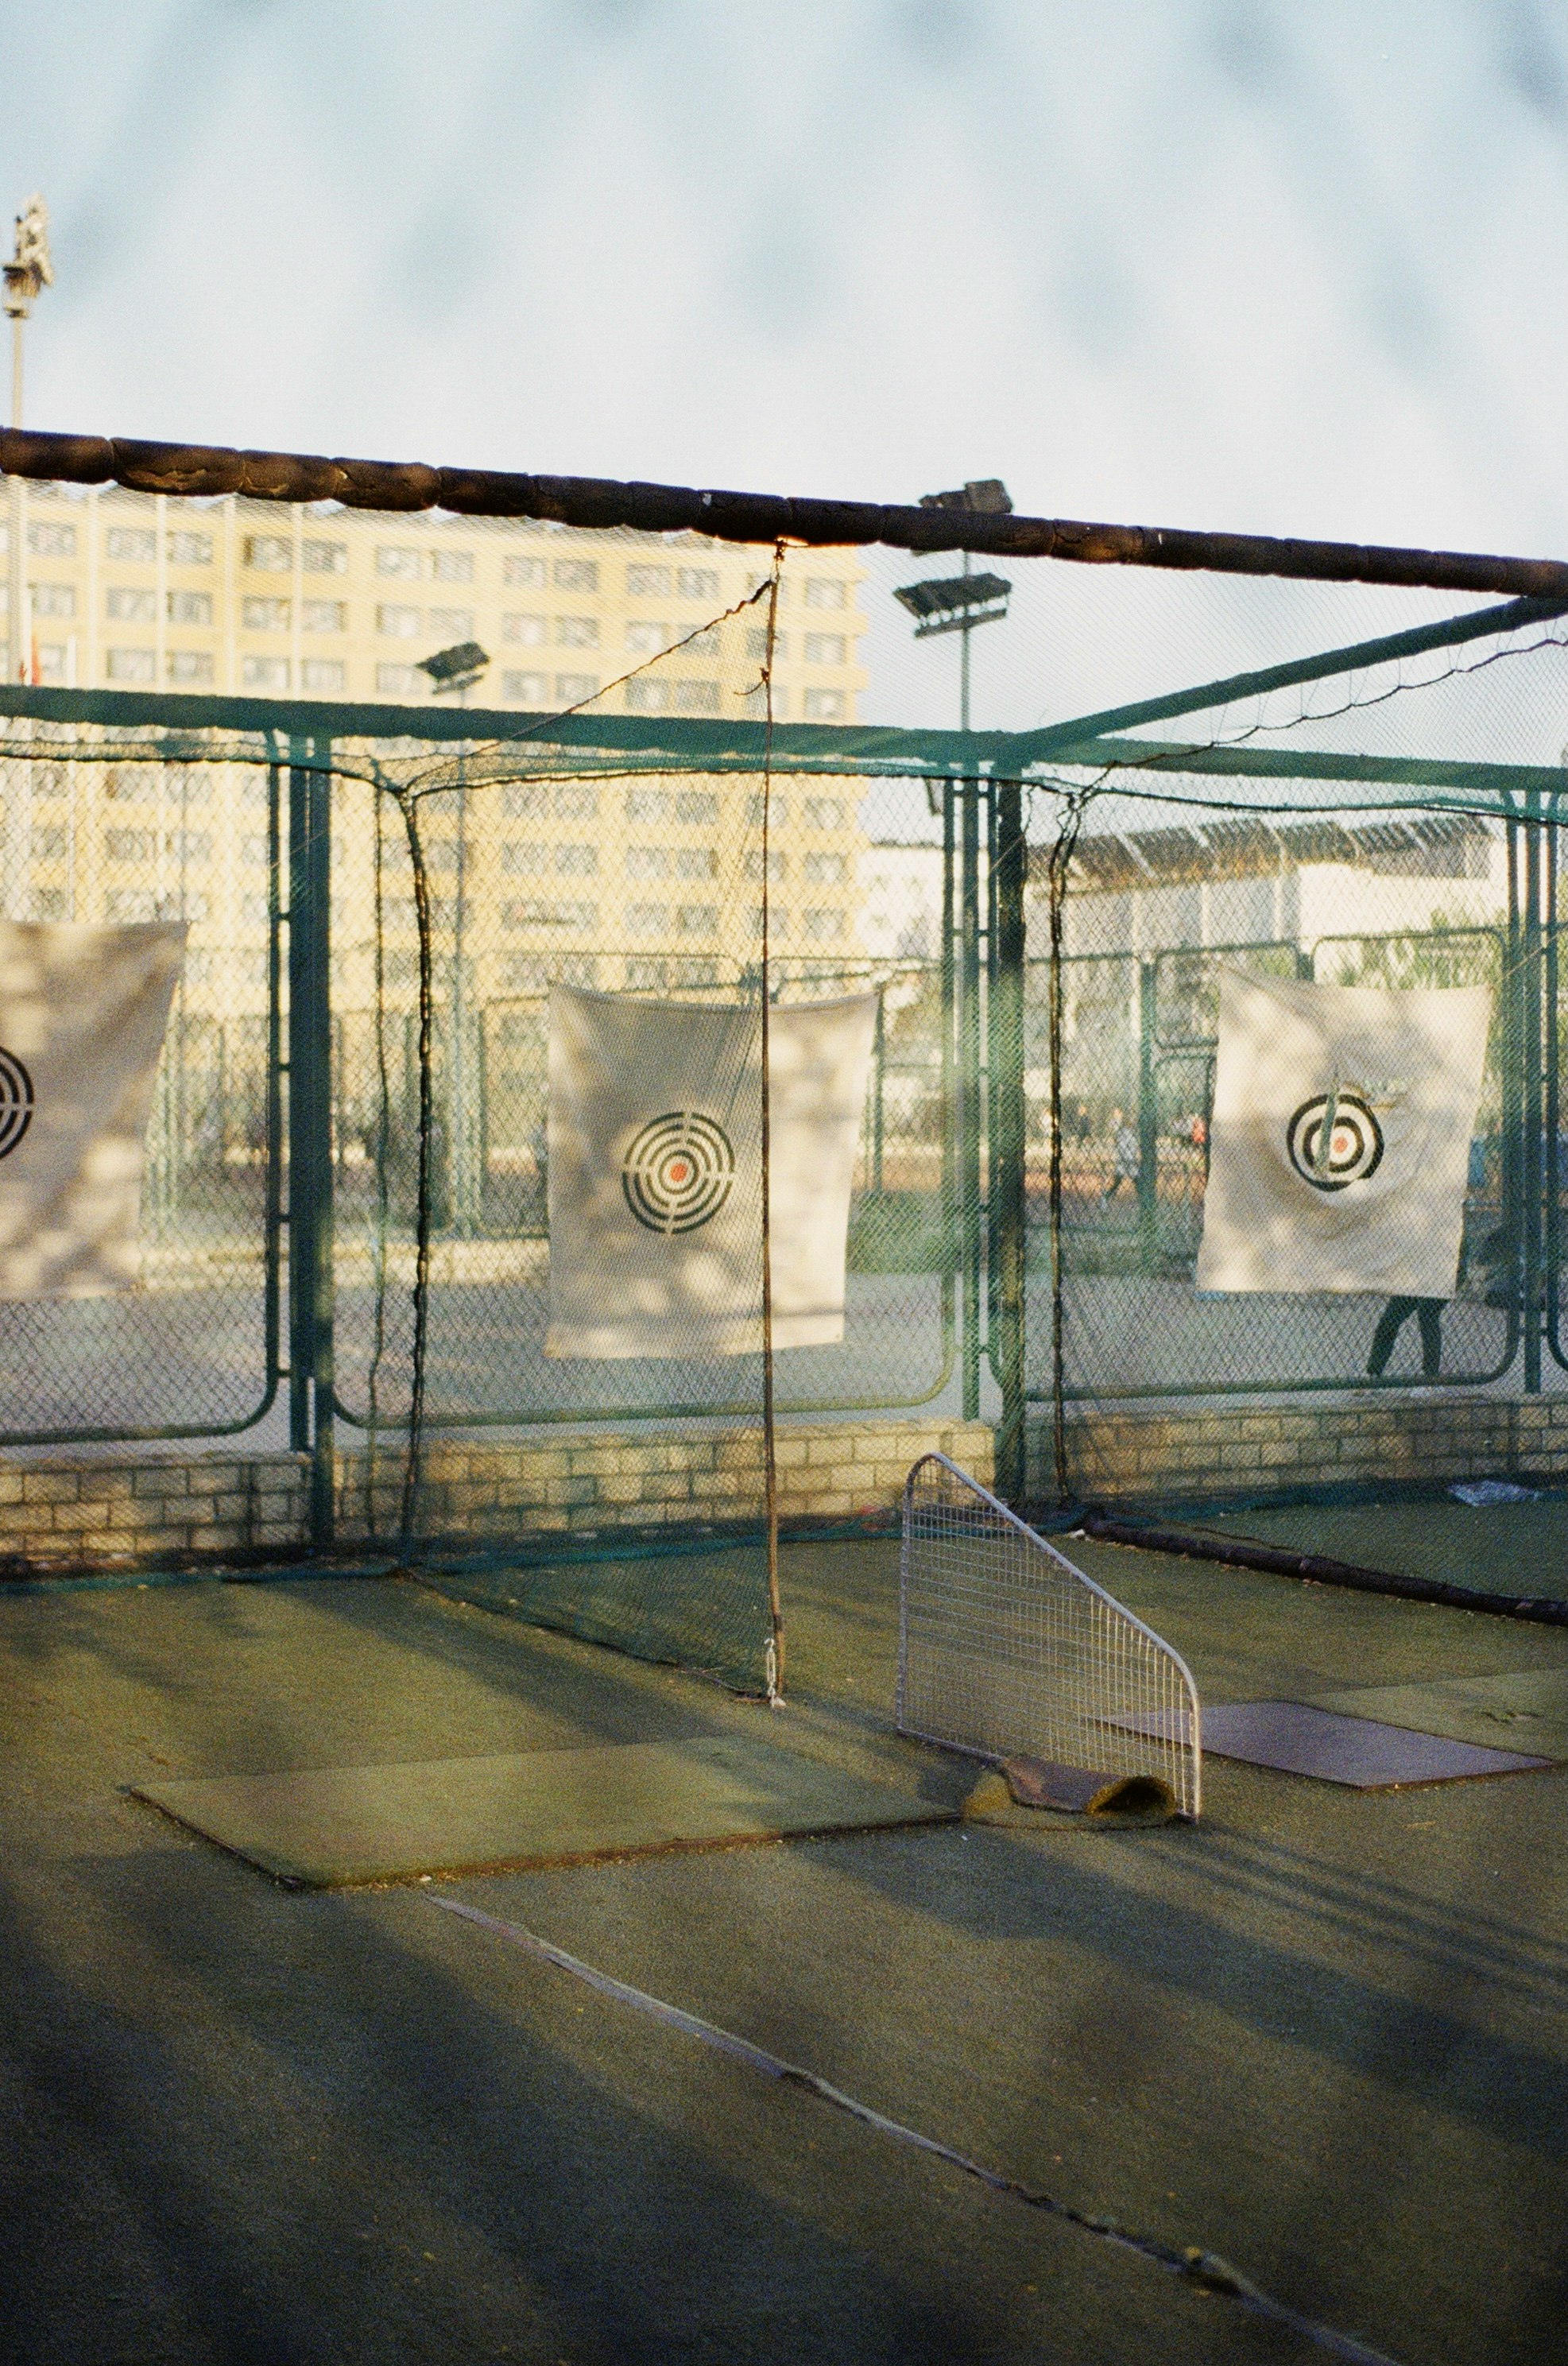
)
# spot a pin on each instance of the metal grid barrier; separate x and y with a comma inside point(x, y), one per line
point(1005, 1650)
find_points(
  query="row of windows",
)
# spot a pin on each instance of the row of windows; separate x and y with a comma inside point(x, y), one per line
point(275, 554)
point(51, 842)
point(328, 677)
point(819, 924)
point(260, 613)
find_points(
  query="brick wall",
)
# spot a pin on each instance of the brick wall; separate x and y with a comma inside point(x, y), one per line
point(138, 1514)
point(1130, 1454)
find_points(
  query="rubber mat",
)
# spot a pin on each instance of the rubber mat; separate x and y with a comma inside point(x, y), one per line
point(332, 1827)
point(1525, 1709)
point(1355, 1751)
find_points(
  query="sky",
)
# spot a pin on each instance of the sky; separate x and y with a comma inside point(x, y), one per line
point(1243, 264)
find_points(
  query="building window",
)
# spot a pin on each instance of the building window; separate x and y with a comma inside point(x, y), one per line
point(824, 928)
point(645, 638)
point(646, 975)
point(54, 600)
point(49, 780)
point(698, 805)
point(648, 804)
point(265, 615)
point(778, 811)
point(757, 642)
point(647, 919)
point(131, 665)
point(397, 559)
point(647, 862)
point(189, 845)
point(529, 799)
point(130, 904)
point(824, 813)
point(575, 801)
point(576, 631)
point(190, 607)
point(577, 574)
point(824, 591)
point(51, 841)
point(397, 624)
point(525, 858)
point(322, 674)
point(324, 557)
point(397, 681)
point(130, 607)
point(51, 657)
point(645, 697)
point(824, 649)
point(60, 541)
point(697, 582)
point(190, 666)
point(696, 920)
point(527, 689)
point(696, 862)
point(778, 864)
point(265, 673)
point(778, 920)
point(522, 570)
point(130, 845)
point(452, 624)
point(270, 553)
point(577, 862)
point(824, 869)
point(187, 549)
point(824, 705)
point(696, 698)
point(572, 689)
point(538, 914)
point(323, 615)
point(529, 630)
point(452, 566)
point(647, 583)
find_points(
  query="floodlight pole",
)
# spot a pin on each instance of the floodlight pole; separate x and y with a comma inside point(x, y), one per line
point(26, 275)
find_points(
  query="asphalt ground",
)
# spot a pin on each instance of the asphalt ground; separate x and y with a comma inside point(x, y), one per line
point(1497, 1547)
point(1321, 2034)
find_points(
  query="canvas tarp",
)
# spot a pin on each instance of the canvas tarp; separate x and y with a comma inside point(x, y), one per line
point(655, 1181)
point(1340, 1136)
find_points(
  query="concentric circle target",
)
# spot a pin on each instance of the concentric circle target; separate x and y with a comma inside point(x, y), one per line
point(16, 1101)
point(1355, 1146)
point(678, 1172)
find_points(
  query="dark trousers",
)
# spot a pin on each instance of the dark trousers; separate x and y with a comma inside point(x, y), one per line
point(1429, 1313)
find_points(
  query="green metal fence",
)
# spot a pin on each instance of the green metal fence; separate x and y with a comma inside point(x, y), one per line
point(1084, 880)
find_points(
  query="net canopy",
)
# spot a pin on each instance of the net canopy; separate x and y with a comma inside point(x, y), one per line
point(1036, 844)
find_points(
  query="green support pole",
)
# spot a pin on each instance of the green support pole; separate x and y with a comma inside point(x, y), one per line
point(310, 1122)
point(1148, 1120)
point(1005, 1198)
point(1532, 1174)
point(969, 1090)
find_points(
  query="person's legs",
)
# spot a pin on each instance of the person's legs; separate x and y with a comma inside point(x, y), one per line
point(1429, 1315)
point(1390, 1322)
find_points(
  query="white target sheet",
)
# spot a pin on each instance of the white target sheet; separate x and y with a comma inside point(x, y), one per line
point(82, 1014)
point(655, 1172)
point(1339, 1143)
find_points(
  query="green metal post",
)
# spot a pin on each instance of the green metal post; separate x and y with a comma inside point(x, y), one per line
point(1005, 1198)
point(1149, 1118)
point(311, 1121)
point(969, 1089)
point(879, 1060)
point(1532, 1172)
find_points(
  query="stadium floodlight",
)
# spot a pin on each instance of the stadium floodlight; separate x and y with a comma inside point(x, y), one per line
point(457, 668)
point(956, 604)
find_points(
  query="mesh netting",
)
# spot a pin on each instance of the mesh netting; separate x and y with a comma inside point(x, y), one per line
point(228, 717)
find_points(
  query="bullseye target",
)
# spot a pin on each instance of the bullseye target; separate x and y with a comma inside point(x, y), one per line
point(678, 1172)
point(16, 1101)
point(1354, 1149)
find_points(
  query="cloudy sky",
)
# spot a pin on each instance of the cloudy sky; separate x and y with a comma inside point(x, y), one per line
point(1255, 264)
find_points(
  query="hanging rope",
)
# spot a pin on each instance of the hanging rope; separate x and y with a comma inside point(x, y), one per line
point(770, 1454)
point(1069, 823)
point(411, 1466)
